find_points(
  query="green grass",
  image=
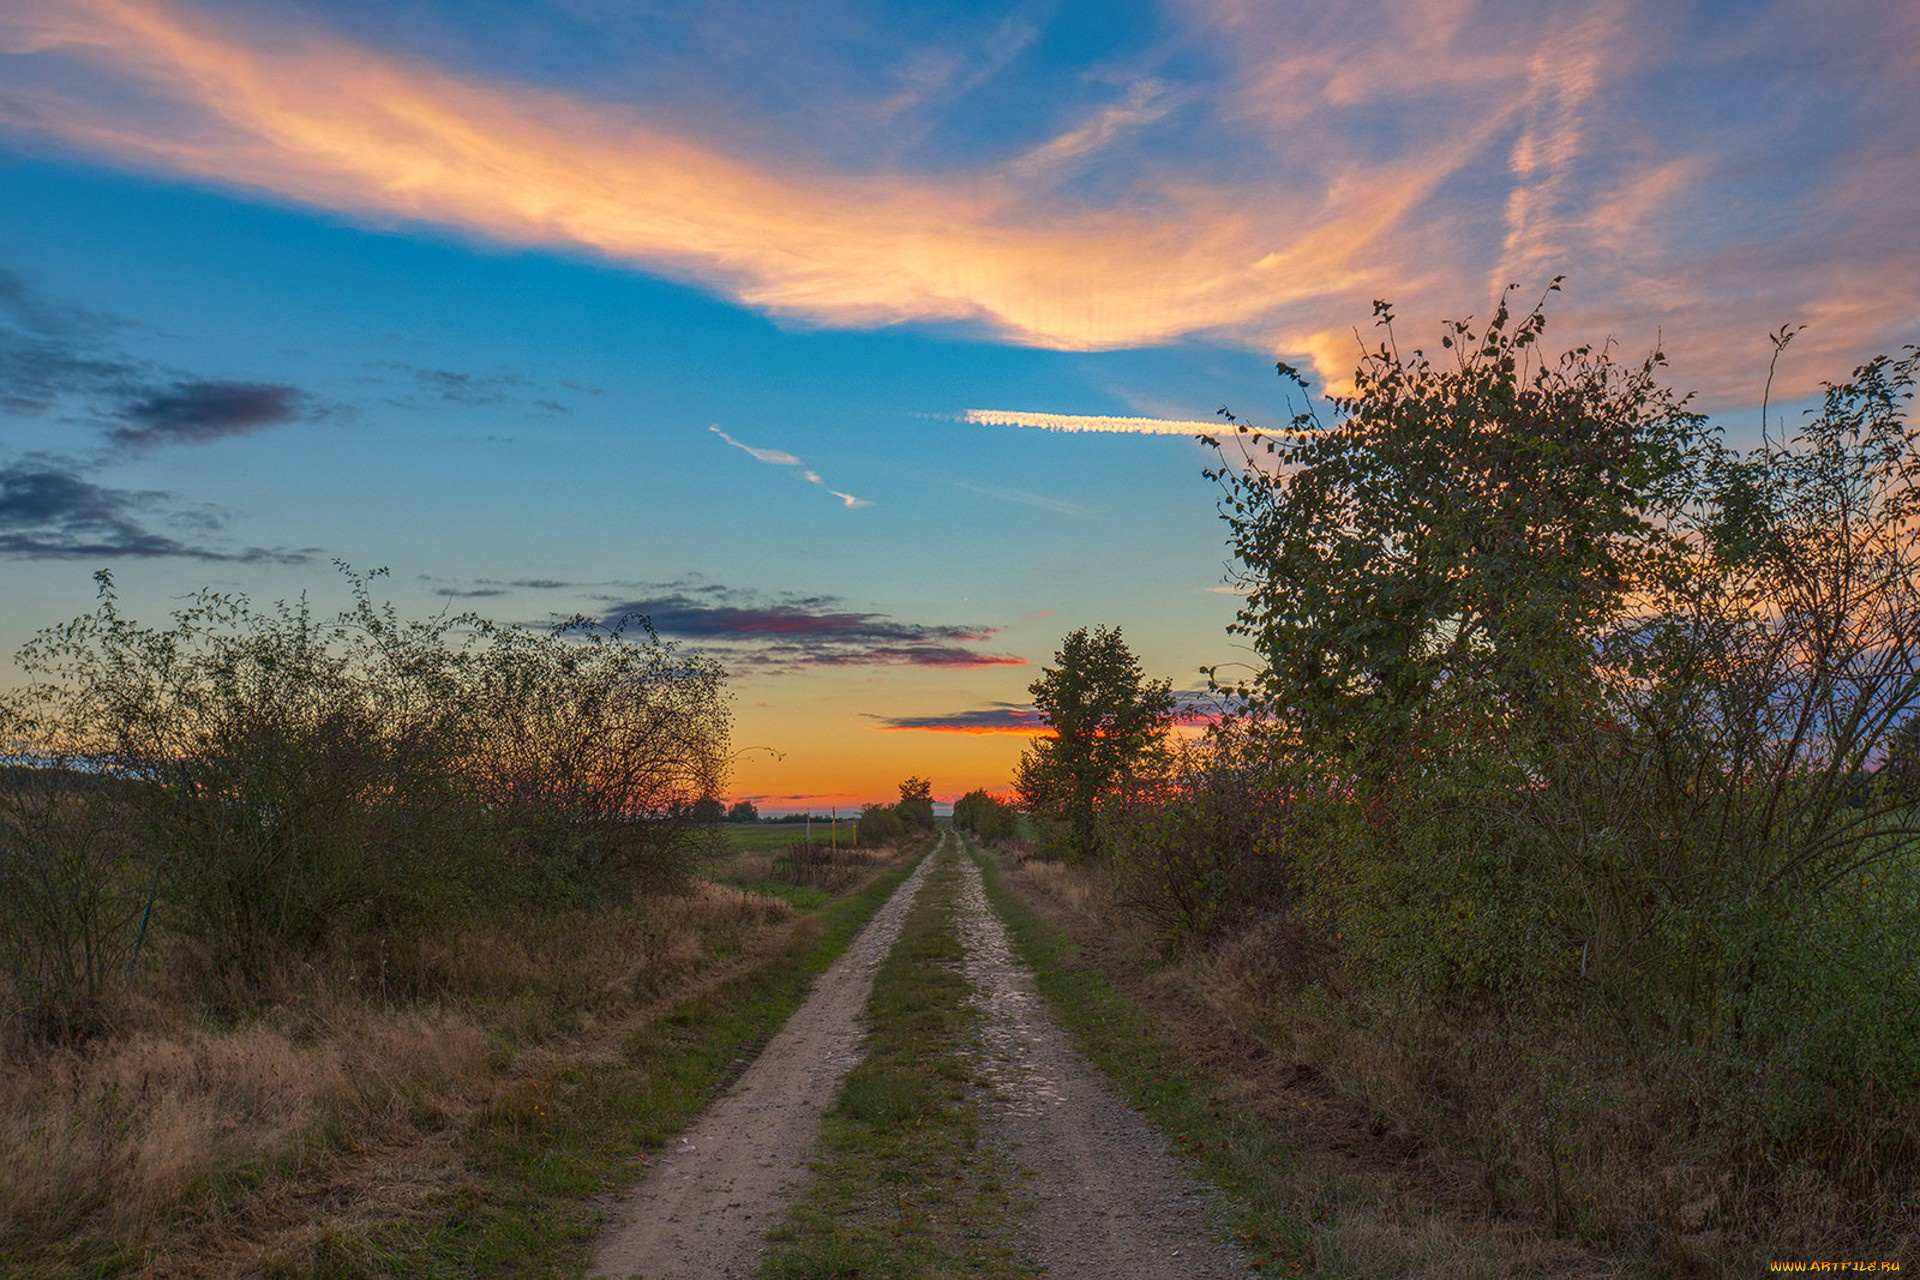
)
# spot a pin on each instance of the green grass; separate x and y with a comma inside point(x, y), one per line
point(543, 1151)
point(905, 1185)
point(773, 837)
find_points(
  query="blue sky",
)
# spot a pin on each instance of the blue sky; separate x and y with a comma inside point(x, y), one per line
point(465, 290)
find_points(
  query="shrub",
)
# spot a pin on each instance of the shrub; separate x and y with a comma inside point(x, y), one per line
point(598, 754)
point(71, 892)
point(300, 781)
point(986, 815)
point(1208, 846)
point(879, 824)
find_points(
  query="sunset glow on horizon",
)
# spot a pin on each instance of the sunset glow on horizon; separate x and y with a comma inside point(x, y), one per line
point(703, 316)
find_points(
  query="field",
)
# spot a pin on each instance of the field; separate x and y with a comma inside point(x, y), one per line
point(448, 1105)
point(762, 837)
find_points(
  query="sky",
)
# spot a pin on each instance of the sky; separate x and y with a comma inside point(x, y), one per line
point(861, 345)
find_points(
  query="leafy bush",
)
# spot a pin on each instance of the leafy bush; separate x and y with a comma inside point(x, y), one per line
point(986, 815)
point(879, 824)
point(1596, 711)
point(595, 753)
point(1207, 846)
point(300, 781)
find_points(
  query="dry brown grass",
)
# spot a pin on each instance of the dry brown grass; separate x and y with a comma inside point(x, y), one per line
point(111, 1140)
point(825, 866)
point(197, 1144)
point(1083, 891)
point(1603, 1148)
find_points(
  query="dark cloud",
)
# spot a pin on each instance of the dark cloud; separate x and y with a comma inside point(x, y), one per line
point(802, 617)
point(996, 717)
point(48, 510)
point(422, 386)
point(197, 412)
point(22, 306)
point(55, 358)
point(65, 361)
point(464, 587)
point(42, 490)
point(810, 630)
point(924, 655)
point(746, 629)
point(1191, 707)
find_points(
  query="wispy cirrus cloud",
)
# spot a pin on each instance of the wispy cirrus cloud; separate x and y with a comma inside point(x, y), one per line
point(773, 457)
point(780, 458)
point(1021, 498)
point(1146, 102)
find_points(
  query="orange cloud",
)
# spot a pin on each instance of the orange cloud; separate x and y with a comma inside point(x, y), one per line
point(1425, 153)
point(330, 123)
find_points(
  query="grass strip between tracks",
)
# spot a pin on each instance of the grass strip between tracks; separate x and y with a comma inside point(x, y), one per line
point(905, 1184)
point(543, 1152)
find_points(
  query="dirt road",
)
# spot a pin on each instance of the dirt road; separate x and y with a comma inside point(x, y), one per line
point(1100, 1194)
point(1108, 1197)
point(704, 1210)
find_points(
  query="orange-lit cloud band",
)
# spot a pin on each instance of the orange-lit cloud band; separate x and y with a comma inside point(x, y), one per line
point(331, 123)
point(1493, 112)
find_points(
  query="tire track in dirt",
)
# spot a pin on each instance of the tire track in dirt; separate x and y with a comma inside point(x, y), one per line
point(1109, 1199)
point(705, 1208)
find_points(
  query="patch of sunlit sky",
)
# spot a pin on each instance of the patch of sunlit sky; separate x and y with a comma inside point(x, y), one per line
point(857, 343)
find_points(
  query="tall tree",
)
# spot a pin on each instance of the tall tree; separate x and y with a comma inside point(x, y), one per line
point(1106, 718)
